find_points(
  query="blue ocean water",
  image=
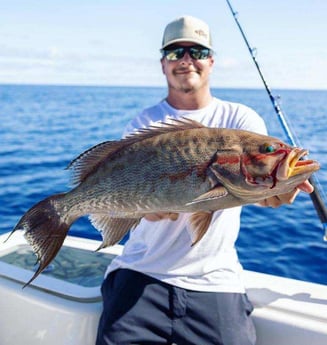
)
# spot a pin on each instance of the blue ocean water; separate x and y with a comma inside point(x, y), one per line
point(44, 127)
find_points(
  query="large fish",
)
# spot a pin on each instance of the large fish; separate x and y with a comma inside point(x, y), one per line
point(181, 166)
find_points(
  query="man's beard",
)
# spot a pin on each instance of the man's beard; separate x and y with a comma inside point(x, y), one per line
point(185, 87)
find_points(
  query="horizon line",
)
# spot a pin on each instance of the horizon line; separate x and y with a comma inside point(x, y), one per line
point(153, 86)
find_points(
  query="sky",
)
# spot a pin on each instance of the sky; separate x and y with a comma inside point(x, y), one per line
point(117, 42)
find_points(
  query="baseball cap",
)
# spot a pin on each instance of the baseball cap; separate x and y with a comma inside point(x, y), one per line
point(187, 29)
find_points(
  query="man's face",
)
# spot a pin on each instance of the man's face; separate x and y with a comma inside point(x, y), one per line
point(187, 74)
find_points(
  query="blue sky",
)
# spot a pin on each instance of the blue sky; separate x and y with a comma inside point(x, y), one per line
point(116, 42)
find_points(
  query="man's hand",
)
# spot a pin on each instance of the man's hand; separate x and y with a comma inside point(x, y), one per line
point(288, 198)
point(154, 217)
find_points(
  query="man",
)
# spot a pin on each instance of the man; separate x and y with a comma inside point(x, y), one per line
point(163, 290)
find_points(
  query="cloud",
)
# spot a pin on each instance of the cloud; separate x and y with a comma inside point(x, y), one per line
point(53, 65)
point(227, 63)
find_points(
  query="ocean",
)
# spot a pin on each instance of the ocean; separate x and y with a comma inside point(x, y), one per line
point(44, 127)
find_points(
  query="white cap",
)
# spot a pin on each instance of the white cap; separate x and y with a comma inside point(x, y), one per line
point(187, 29)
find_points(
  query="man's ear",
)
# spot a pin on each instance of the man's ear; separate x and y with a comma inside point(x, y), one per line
point(162, 65)
point(212, 61)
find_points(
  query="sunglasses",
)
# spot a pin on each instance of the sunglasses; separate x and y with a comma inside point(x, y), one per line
point(195, 52)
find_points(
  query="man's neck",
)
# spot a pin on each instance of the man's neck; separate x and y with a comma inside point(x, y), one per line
point(189, 100)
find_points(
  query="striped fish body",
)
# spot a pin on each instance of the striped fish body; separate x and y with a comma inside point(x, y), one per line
point(176, 167)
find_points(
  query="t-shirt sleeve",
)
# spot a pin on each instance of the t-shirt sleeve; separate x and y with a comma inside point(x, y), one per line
point(251, 121)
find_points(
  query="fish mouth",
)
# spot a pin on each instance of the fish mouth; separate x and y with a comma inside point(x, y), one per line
point(294, 165)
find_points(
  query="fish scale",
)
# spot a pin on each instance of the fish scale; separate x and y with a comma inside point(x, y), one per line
point(180, 166)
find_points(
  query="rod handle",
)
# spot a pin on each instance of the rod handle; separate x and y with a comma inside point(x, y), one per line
point(318, 202)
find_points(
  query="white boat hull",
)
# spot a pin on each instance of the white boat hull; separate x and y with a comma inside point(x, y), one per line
point(55, 311)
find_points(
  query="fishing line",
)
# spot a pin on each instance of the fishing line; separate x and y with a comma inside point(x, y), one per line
point(316, 195)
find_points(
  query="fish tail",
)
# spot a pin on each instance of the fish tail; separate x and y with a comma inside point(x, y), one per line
point(46, 226)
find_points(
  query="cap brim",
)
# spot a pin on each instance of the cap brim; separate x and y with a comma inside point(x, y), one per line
point(188, 41)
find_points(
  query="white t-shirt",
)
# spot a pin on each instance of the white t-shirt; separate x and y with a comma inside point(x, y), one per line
point(163, 249)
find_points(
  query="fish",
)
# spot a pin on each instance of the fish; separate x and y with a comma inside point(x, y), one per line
point(175, 166)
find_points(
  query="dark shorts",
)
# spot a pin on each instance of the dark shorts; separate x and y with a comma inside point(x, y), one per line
point(138, 309)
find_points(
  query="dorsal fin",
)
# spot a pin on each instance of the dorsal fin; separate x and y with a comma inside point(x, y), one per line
point(172, 125)
point(87, 162)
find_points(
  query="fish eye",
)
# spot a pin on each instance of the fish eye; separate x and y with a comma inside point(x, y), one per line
point(268, 148)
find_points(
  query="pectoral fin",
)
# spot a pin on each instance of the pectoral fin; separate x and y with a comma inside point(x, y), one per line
point(200, 222)
point(213, 194)
point(112, 229)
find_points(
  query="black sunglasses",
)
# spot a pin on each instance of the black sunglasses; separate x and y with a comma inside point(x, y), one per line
point(195, 52)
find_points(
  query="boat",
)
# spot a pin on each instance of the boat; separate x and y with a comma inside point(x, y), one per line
point(63, 305)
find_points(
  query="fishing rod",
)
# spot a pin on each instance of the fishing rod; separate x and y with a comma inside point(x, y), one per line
point(316, 195)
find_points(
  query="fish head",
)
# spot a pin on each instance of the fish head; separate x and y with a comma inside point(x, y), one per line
point(259, 166)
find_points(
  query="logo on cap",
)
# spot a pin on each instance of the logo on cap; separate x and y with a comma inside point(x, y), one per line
point(201, 33)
